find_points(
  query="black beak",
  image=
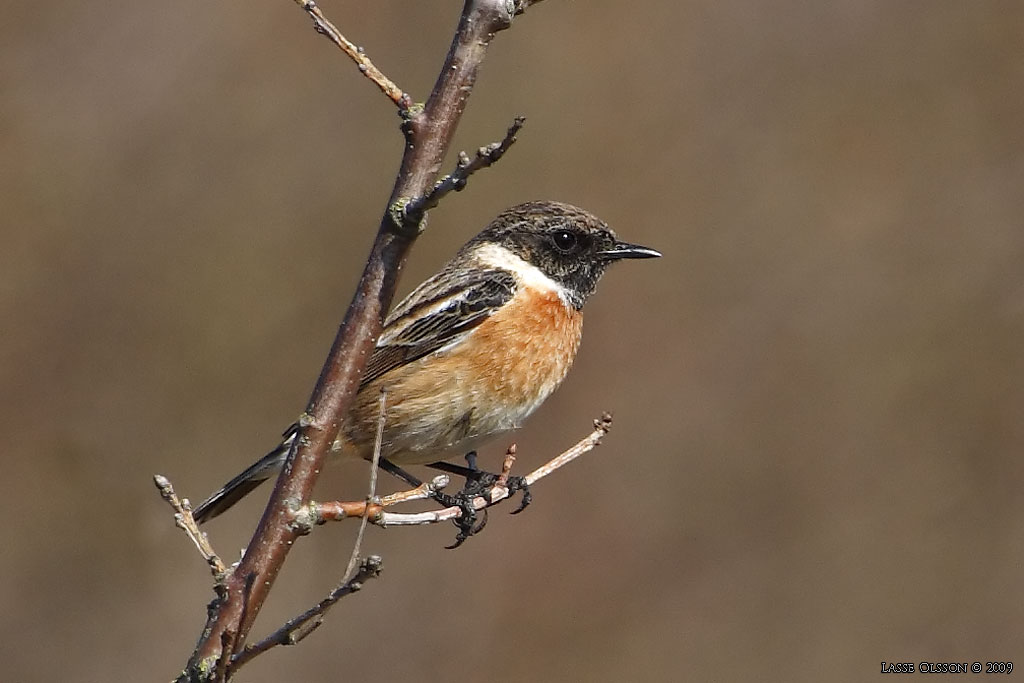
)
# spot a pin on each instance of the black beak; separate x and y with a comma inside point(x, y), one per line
point(626, 250)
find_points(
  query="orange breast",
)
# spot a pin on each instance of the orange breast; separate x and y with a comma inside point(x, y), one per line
point(447, 402)
point(525, 350)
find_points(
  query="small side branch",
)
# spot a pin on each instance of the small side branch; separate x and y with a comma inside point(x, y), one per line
point(376, 512)
point(301, 626)
point(456, 180)
point(585, 445)
point(324, 27)
point(183, 520)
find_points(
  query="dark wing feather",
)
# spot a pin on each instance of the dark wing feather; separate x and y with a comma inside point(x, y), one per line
point(432, 317)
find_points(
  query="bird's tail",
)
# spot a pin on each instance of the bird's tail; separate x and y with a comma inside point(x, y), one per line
point(241, 485)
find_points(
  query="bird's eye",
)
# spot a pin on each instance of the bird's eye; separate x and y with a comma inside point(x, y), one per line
point(565, 240)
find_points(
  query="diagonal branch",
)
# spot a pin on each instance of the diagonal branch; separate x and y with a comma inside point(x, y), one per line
point(456, 180)
point(184, 520)
point(297, 628)
point(324, 27)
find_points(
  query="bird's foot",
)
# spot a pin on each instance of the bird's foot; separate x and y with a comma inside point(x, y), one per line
point(469, 522)
point(479, 483)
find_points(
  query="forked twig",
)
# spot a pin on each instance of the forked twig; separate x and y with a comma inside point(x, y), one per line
point(297, 628)
point(376, 512)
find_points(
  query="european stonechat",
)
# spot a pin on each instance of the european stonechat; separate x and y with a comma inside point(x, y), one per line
point(475, 349)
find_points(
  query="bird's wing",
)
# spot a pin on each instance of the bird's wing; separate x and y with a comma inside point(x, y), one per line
point(439, 312)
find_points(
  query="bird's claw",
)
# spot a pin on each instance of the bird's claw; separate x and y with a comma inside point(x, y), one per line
point(469, 522)
point(517, 483)
point(478, 484)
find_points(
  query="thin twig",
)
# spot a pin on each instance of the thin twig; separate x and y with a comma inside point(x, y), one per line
point(421, 492)
point(301, 626)
point(356, 573)
point(183, 520)
point(319, 513)
point(586, 444)
point(324, 27)
point(506, 466)
point(465, 167)
point(314, 513)
point(372, 494)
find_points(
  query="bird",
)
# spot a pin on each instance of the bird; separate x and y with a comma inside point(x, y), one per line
point(475, 349)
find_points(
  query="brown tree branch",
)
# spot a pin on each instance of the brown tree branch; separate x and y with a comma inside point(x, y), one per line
point(429, 131)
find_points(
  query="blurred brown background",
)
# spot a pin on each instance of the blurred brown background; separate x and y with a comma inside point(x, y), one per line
point(816, 462)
